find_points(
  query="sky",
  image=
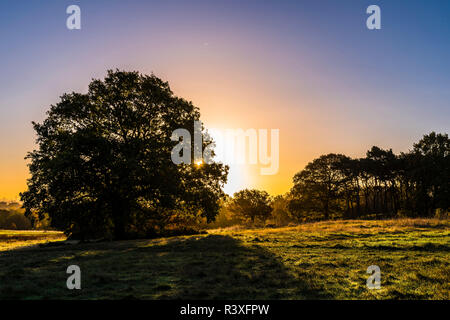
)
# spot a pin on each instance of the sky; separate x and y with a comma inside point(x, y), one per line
point(311, 69)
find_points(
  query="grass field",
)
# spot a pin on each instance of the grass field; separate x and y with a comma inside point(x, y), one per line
point(12, 239)
point(324, 260)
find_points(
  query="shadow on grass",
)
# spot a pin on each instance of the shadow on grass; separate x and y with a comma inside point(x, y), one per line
point(196, 267)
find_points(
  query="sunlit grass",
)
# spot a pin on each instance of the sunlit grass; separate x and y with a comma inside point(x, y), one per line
point(325, 260)
point(15, 239)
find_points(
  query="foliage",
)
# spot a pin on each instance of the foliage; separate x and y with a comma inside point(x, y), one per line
point(318, 187)
point(251, 205)
point(224, 219)
point(280, 214)
point(14, 219)
point(382, 184)
point(103, 165)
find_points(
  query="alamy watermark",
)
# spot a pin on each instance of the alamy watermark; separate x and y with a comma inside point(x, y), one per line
point(374, 281)
point(231, 146)
point(74, 280)
point(73, 22)
point(373, 22)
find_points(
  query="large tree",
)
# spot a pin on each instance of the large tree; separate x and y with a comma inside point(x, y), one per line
point(103, 164)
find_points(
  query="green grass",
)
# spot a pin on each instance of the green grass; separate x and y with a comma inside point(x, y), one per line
point(325, 260)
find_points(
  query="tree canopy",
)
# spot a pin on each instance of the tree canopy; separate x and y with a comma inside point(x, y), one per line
point(416, 183)
point(103, 168)
point(251, 204)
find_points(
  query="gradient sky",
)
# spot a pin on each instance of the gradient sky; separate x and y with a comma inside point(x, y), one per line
point(309, 68)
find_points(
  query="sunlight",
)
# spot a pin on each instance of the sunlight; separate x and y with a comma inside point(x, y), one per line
point(198, 163)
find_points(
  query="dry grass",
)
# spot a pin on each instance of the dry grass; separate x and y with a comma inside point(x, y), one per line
point(355, 226)
point(16, 239)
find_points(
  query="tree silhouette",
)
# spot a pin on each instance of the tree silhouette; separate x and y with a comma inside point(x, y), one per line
point(103, 164)
point(251, 204)
point(416, 183)
point(432, 173)
point(318, 187)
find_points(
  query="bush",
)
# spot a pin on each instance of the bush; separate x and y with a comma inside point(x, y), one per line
point(14, 220)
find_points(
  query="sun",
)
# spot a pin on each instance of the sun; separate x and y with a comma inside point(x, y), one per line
point(198, 163)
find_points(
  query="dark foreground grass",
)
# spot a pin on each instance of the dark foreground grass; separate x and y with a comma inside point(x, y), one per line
point(326, 260)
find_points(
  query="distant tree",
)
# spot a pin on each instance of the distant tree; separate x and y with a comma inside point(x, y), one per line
point(14, 219)
point(103, 164)
point(225, 218)
point(350, 185)
point(251, 204)
point(431, 172)
point(381, 166)
point(281, 214)
point(318, 188)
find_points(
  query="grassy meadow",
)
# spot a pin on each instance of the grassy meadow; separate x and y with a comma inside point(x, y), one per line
point(12, 239)
point(322, 260)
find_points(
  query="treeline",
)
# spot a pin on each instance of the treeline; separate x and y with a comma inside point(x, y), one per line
point(334, 186)
point(12, 217)
point(416, 183)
